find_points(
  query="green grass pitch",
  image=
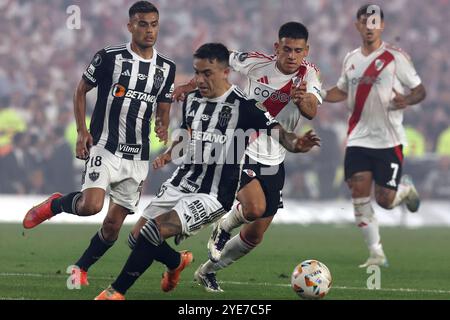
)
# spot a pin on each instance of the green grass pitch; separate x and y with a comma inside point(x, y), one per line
point(33, 264)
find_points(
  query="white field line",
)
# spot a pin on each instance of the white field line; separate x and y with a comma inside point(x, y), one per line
point(262, 284)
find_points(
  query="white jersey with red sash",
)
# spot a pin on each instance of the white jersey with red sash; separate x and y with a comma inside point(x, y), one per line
point(370, 82)
point(271, 87)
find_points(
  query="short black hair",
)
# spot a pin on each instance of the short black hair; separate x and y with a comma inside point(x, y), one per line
point(294, 30)
point(363, 11)
point(213, 51)
point(142, 7)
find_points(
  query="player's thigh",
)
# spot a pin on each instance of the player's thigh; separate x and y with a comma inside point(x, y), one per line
point(254, 232)
point(358, 171)
point(252, 198)
point(164, 201)
point(126, 184)
point(198, 210)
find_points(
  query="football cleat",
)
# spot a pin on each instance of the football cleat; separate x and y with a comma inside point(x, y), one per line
point(171, 278)
point(207, 280)
point(377, 260)
point(110, 294)
point(40, 213)
point(412, 200)
point(217, 241)
point(82, 276)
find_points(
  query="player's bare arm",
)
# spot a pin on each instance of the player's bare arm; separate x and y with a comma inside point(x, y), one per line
point(294, 143)
point(84, 138)
point(306, 102)
point(416, 95)
point(334, 95)
point(162, 121)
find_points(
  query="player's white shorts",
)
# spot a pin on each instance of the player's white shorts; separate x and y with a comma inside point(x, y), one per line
point(123, 177)
point(195, 210)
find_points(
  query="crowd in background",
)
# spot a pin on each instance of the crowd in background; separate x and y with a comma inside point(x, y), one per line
point(41, 62)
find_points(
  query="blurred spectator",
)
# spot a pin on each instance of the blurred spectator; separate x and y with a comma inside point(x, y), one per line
point(38, 73)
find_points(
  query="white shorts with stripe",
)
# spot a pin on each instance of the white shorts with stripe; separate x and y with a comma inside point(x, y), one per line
point(122, 177)
point(195, 210)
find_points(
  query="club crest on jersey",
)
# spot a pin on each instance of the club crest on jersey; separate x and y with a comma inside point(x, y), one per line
point(242, 56)
point(224, 116)
point(94, 176)
point(250, 173)
point(158, 78)
point(97, 60)
point(379, 64)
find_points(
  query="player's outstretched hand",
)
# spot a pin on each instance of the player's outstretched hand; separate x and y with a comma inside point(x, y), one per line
point(84, 144)
point(161, 160)
point(307, 141)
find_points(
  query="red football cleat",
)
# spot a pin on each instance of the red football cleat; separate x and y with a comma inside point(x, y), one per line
point(80, 276)
point(40, 213)
point(110, 294)
point(171, 278)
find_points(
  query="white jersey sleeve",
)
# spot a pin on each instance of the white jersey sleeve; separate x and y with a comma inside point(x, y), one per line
point(243, 62)
point(313, 83)
point(342, 83)
point(405, 71)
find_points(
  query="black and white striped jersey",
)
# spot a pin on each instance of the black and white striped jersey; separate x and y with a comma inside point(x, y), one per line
point(220, 130)
point(128, 89)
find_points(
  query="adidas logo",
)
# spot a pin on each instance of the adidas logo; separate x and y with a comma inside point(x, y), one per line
point(126, 73)
point(392, 183)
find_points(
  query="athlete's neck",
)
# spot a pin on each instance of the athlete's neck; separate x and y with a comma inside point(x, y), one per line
point(369, 47)
point(145, 53)
point(221, 90)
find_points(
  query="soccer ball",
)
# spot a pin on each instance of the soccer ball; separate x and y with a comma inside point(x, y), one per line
point(311, 279)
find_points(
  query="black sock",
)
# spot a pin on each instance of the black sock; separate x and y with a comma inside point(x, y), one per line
point(66, 203)
point(95, 251)
point(167, 255)
point(139, 260)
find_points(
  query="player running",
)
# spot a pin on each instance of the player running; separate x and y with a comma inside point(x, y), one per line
point(372, 81)
point(204, 186)
point(287, 86)
point(131, 79)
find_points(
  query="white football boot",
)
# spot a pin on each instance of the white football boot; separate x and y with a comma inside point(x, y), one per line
point(412, 200)
point(207, 280)
point(377, 259)
point(216, 243)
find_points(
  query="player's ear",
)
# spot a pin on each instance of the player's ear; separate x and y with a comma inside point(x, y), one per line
point(276, 46)
point(130, 27)
point(307, 50)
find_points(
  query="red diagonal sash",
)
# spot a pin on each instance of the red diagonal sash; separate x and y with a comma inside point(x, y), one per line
point(274, 106)
point(364, 87)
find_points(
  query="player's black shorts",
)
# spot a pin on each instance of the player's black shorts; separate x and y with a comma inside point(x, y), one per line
point(271, 180)
point(385, 164)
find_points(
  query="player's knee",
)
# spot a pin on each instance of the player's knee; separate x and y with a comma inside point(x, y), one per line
point(89, 208)
point(384, 201)
point(111, 228)
point(254, 210)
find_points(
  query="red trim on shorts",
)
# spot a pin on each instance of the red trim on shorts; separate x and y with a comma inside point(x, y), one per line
point(399, 153)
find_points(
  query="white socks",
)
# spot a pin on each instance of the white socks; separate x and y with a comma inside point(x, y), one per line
point(233, 219)
point(235, 249)
point(367, 222)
